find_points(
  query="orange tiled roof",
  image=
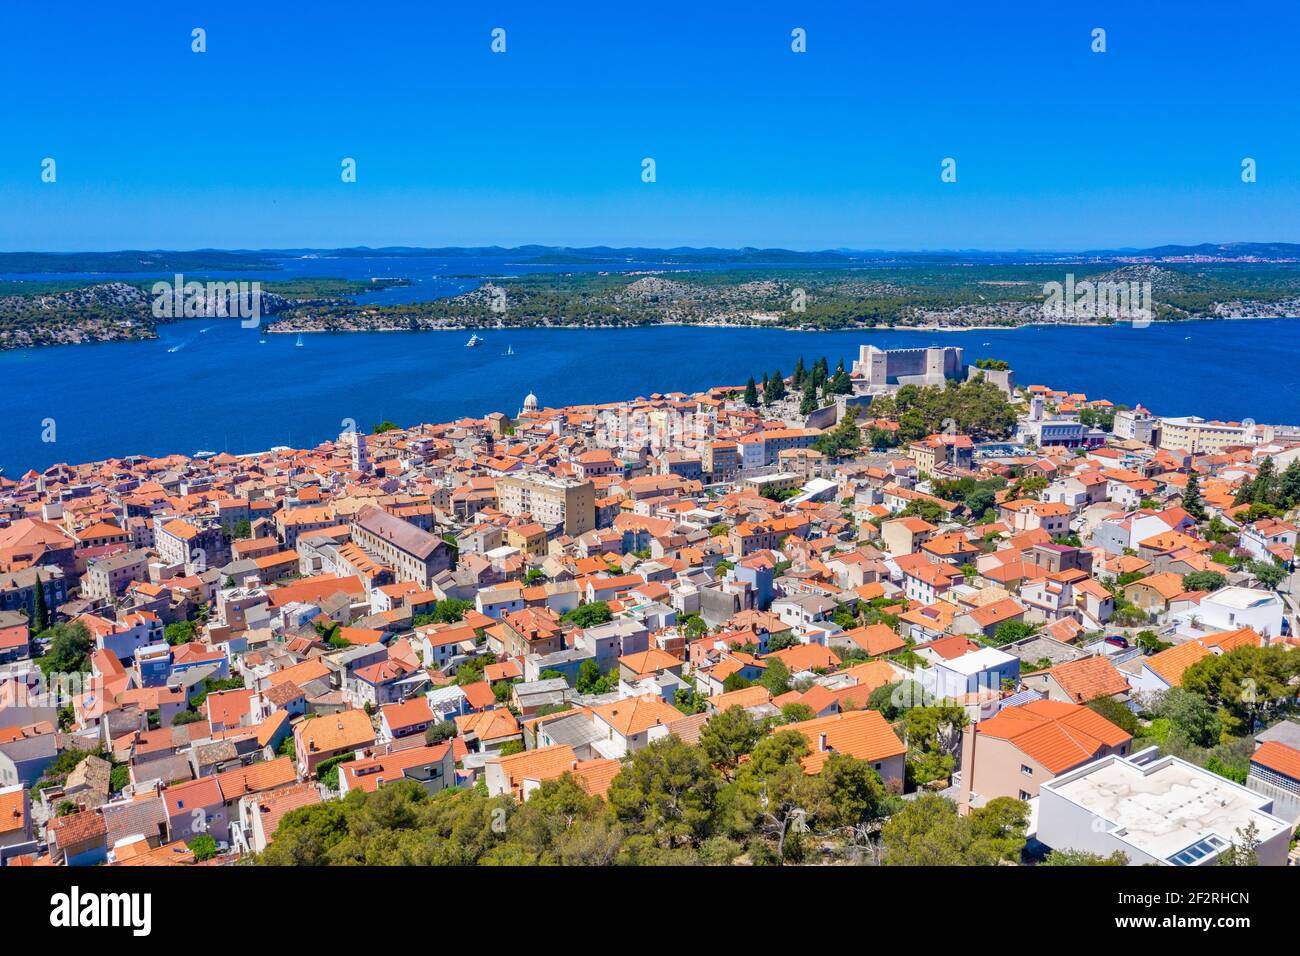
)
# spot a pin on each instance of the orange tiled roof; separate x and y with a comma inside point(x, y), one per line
point(1055, 734)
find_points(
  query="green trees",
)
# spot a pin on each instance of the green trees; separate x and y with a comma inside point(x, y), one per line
point(671, 803)
point(440, 731)
point(203, 847)
point(929, 832)
point(776, 677)
point(667, 792)
point(1289, 485)
point(1192, 498)
point(179, 632)
point(590, 680)
point(590, 614)
point(1270, 490)
point(894, 700)
point(1117, 714)
point(933, 739)
point(729, 736)
point(751, 393)
point(1084, 858)
point(1009, 631)
point(1268, 573)
point(775, 390)
point(470, 670)
point(1245, 684)
point(68, 651)
point(843, 439)
point(840, 383)
point(1204, 581)
point(808, 400)
point(1190, 716)
point(40, 612)
point(977, 408)
point(1243, 850)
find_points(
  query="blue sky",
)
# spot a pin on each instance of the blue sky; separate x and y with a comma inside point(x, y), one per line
point(240, 147)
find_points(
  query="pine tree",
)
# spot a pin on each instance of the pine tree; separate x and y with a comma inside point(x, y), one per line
point(1192, 498)
point(1289, 485)
point(40, 612)
point(751, 393)
point(808, 403)
point(796, 380)
point(840, 383)
point(820, 372)
point(1265, 487)
point(1244, 494)
point(777, 385)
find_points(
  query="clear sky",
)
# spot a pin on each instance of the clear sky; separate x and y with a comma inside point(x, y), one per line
point(1057, 147)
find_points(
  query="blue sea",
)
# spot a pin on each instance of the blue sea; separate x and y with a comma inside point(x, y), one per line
point(224, 390)
point(212, 385)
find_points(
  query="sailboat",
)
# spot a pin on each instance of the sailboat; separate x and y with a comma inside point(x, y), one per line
point(510, 350)
point(474, 341)
point(299, 342)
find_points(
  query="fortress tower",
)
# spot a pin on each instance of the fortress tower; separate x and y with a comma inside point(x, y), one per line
point(886, 369)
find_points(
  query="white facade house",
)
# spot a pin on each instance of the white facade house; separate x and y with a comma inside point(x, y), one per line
point(1154, 809)
point(971, 673)
point(1229, 609)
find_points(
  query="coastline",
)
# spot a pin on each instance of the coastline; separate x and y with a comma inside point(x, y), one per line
point(311, 329)
point(297, 329)
point(395, 384)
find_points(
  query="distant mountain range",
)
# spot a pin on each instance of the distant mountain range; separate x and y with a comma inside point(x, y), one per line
point(162, 261)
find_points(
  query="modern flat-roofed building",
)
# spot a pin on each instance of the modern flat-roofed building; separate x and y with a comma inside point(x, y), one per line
point(568, 504)
point(1154, 809)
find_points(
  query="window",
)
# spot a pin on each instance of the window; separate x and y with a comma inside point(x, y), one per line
point(1026, 770)
point(1025, 796)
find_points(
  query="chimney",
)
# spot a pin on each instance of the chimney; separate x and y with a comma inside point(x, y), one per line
point(821, 743)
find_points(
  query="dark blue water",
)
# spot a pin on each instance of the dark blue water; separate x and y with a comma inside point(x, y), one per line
point(224, 391)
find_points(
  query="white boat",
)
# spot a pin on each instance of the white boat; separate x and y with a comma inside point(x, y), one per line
point(474, 341)
point(299, 342)
point(205, 454)
point(509, 350)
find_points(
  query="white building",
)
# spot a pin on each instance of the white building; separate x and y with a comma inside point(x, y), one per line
point(1229, 609)
point(971, 673)
point(1155, 809)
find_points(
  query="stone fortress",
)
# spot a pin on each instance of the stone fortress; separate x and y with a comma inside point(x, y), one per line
point(878, 371)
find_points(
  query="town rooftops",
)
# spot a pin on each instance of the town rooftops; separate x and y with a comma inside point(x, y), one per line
point(402, 534)
point(1056, 734)
point(864, 734)
point(1089, 678)
point(1279, 758)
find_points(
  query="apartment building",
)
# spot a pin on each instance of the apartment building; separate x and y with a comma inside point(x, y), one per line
point(567, 504)
point(1199, 436)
